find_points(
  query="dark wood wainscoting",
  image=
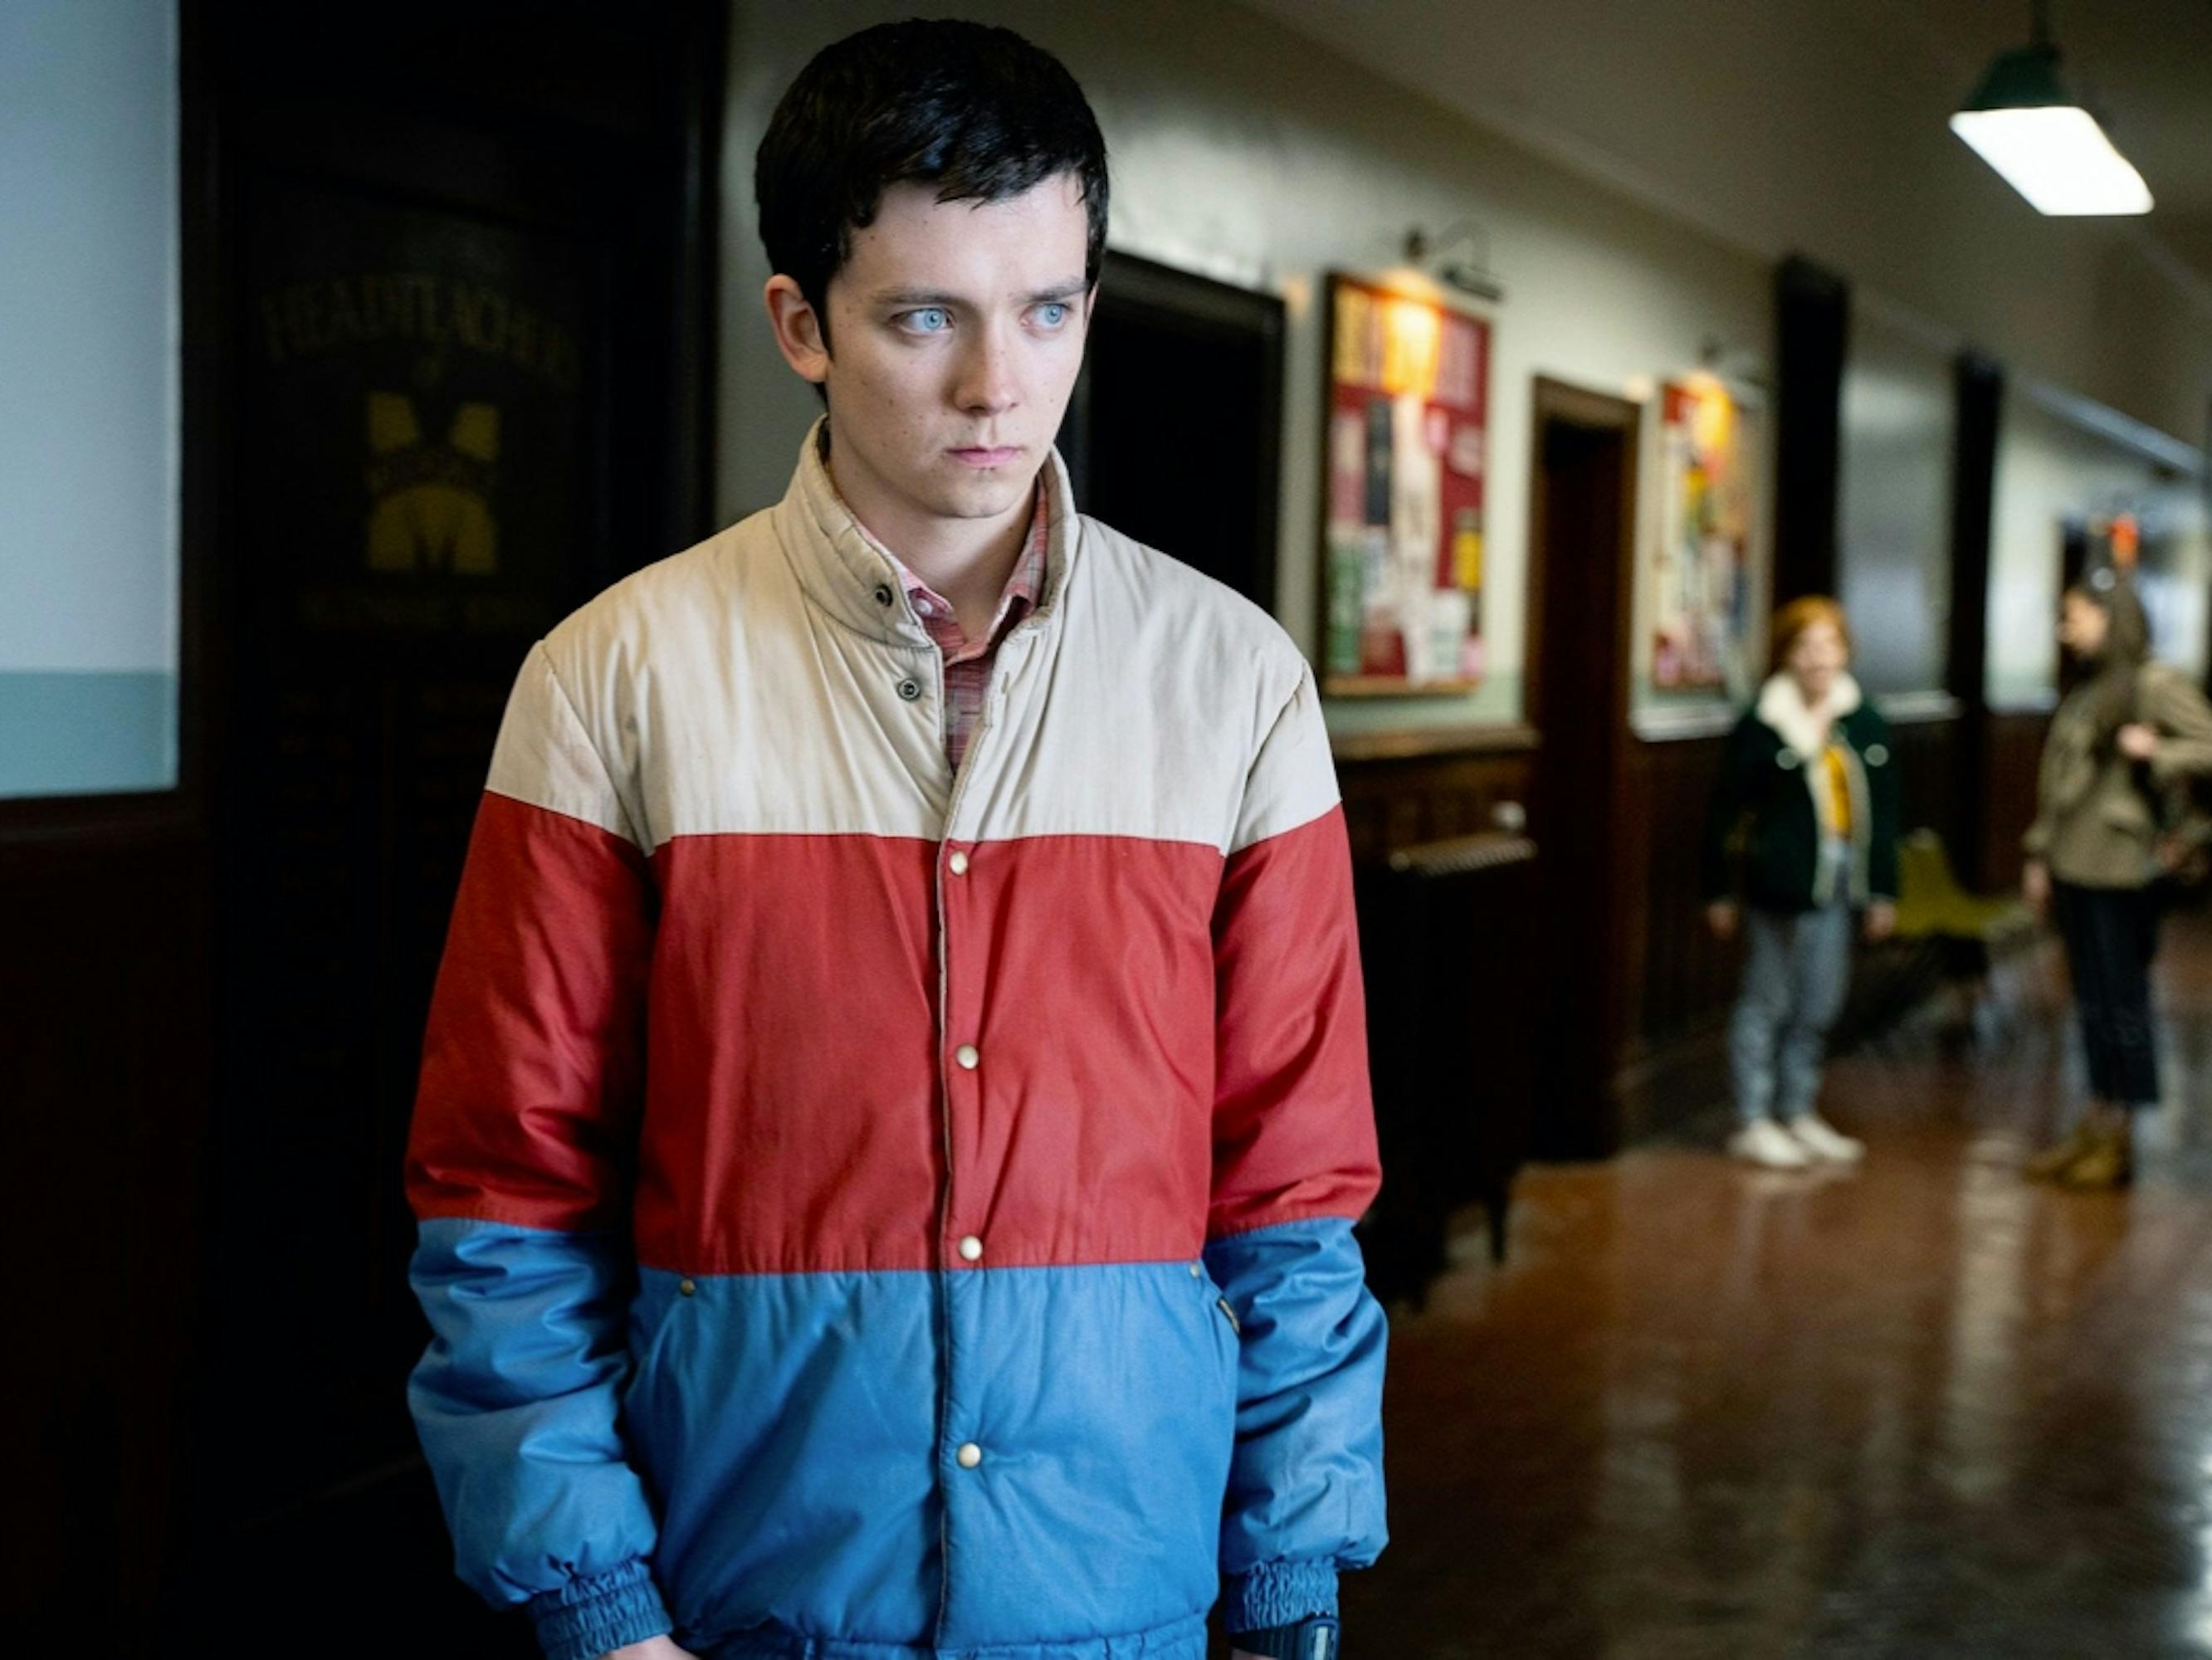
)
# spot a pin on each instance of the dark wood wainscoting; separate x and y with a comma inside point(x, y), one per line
point(1394, 797)
point(105, 1070)
point(1676, 980)
point(1679, 977)
point(2015, 752)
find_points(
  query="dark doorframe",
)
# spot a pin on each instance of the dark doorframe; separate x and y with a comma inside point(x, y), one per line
point(1582, 542)
point(1812, 323)
point(1198, 478)
point(449, 342)
point(1978, 386)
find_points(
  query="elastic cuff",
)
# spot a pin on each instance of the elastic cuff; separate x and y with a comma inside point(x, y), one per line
point(1278, 1594)
point(1308, 1639)
point(586, 1618)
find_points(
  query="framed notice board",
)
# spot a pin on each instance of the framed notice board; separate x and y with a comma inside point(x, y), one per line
point(1406, 438)
point(1702, 567)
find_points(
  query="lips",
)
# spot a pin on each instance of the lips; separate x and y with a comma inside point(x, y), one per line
point(981, 458)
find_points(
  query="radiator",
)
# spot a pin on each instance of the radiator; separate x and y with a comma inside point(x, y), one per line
point(1449, 947)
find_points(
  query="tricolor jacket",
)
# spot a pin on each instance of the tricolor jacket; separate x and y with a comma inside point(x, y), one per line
point(866, 1209)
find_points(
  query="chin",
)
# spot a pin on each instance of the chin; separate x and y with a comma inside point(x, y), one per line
point(982, 496)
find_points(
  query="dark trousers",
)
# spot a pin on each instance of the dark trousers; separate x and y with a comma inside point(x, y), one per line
point(2111, 934)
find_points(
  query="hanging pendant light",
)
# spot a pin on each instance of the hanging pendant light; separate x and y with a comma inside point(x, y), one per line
point(2024, 122)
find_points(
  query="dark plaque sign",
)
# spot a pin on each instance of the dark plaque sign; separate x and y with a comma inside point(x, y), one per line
point(422, 400)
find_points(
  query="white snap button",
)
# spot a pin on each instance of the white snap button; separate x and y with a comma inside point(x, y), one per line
point(958, 864)
point(969, 1455)
point(971, 1249)
point(967, 1056)
point(1195, 1270)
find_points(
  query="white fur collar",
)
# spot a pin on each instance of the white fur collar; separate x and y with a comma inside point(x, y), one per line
point(1782, 707)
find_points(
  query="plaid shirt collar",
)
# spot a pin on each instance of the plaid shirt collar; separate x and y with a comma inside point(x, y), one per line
point(1024, 589)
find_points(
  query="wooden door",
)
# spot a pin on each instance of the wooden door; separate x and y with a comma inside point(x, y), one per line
point(1582, 520)
point(460, 323)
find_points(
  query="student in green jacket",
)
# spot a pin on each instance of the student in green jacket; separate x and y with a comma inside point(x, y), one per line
point(2131, 730)
point(1803, 826)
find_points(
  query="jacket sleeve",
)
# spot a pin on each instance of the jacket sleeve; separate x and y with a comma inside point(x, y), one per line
point(2035, 840)
point(1294, 1166)
point(516, 1170)
point(2175, 707)
point(1724, 811)
point(1885, 786)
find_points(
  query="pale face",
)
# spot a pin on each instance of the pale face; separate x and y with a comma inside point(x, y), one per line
point(956, 334)
point(1816, 657)
point(2082, 626)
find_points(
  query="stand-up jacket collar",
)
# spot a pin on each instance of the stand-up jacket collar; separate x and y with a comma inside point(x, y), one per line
point(1782, 706)
point(848, 577)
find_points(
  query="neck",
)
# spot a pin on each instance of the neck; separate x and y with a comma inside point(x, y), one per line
point(967, 561)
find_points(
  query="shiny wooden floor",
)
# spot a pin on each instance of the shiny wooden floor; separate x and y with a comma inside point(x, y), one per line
point(1923, 1409)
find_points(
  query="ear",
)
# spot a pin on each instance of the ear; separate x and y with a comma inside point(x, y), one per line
point(798, 330)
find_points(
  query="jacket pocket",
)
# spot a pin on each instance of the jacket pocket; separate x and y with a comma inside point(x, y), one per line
point(657, 1313)
point(1228, 1330)
point(2126, 811)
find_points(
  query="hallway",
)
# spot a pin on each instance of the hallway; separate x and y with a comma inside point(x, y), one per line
point(1925, 1409)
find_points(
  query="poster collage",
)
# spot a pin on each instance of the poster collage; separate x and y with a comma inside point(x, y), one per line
point(1403, 558)
point(1701, 586)
point(1408, 388)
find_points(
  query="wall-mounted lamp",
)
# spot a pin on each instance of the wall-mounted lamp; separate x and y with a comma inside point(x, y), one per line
point(1731, 363)
point(1460, 255)
point(2024, 122)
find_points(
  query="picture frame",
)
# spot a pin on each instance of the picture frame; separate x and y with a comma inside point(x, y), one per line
point(1404, 487)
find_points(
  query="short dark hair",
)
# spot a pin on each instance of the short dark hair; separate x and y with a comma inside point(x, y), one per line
point(976, 111)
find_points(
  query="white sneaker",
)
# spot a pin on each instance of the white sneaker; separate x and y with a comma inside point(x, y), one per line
point(1824, 1140)
point(1766, 1142)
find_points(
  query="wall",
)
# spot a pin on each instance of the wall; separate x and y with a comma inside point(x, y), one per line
point(1251, 155)
point(1821, 130)
point(88, 328)
point(2051, 467)
point(1893, 511)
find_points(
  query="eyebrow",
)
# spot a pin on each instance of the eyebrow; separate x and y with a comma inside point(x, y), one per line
point(1072, 288)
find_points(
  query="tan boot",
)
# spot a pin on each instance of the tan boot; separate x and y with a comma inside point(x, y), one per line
point(2109, 1162)
point(2048, 1164)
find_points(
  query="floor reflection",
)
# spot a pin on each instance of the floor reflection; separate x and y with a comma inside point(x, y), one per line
point(1919, 1409)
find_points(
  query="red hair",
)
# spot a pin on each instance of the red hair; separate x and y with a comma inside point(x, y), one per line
point(1799, 615)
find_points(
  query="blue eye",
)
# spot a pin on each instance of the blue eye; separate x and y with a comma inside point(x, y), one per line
point(929, 320)
point(1052, 313)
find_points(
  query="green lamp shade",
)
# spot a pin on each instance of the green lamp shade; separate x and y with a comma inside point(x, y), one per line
point(2023, 122)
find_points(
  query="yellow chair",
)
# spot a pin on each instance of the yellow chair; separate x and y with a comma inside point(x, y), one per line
point(1964, 931)
point(1931, 905)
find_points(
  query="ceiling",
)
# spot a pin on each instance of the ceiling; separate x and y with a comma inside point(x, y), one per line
point(2145, 67)
point(1809, 125)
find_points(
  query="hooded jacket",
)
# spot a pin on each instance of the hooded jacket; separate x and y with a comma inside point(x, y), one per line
point(1764, 805)
point(868, 1209)
point(2097, 813)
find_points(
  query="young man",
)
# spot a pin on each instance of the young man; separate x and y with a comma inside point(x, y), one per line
point(896, 1099)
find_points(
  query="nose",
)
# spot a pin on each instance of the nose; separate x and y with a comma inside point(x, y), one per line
point(987, 383)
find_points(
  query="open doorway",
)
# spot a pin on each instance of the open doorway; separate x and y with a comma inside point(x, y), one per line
point(1581, 547)
point(1173, 434)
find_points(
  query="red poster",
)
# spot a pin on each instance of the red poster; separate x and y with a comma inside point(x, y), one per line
point(1402, 559)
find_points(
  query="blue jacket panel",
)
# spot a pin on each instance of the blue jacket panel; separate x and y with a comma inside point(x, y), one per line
point(781, 1450)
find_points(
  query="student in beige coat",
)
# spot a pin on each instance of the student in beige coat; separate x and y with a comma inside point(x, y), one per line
point(2131, 731)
